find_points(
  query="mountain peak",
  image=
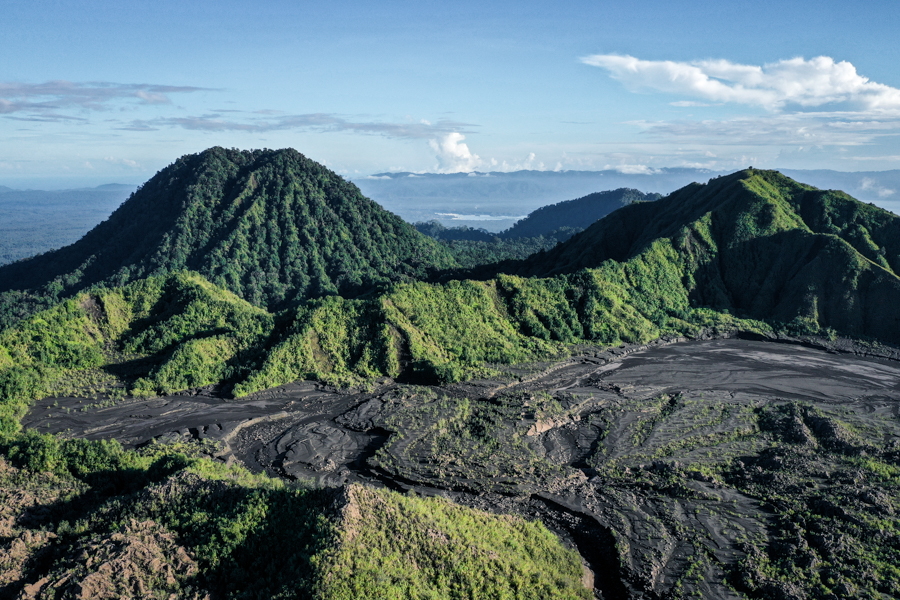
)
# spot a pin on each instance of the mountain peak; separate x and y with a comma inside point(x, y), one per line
point(271, 225)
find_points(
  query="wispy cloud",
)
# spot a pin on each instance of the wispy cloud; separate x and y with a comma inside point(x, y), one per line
point(271, 121)
point(793, 84)
point(632, 169)
point(872, 185)
point(49, 101)
point(796, 129)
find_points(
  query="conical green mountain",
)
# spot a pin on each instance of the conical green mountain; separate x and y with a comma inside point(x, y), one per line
point(760, 245)
point(270, 225)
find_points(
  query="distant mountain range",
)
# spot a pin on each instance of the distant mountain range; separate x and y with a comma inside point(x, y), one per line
point(559, 221)
point(495, 201)
point(34, 221)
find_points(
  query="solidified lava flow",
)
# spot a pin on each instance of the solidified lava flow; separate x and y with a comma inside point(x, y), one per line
point(680, 469)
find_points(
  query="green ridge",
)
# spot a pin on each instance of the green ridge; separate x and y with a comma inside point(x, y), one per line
point(271, 226)
point(740, 252)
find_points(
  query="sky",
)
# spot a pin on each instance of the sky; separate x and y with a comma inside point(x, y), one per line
point(95, 91)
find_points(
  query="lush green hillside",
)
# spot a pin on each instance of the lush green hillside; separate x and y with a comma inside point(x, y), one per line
point(753, 251)
point(272, 226)
point(760, 245)
point(750, 248)
point(91, 520)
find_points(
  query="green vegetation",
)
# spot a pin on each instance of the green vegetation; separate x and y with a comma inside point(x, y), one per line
point(558, 221)
point(168, 521)
point(295, 275)
point(271, 226)
point(757, 245)
point(470, 254)
point(397, 547)
point(688, 269)
point(541, 230)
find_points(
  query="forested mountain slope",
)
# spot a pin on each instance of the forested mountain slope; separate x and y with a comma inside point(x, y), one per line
point(272, 226)
point(754, 250)
point(810, 490)
point(757, 244)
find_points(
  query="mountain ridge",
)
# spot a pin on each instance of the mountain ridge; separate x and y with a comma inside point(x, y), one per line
point(759, 244)
point(779, 487)
point(272, 226)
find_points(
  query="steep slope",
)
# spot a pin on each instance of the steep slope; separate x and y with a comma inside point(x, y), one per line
point(760, 245)
point(272, 226)
point(753, 251)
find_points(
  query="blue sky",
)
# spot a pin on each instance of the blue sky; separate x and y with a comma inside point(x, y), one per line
point(96, 91)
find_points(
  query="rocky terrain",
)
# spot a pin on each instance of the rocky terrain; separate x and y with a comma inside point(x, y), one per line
point(671, 467)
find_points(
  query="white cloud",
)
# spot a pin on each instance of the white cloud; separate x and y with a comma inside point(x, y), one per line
point(631, 169)
point(122, 161)
point(780, 129)
point(453, 155)
point(530, 163)
point(870, 184)
point(794, 83)
point(45, 101)
point(319, 122)
point(690, 104)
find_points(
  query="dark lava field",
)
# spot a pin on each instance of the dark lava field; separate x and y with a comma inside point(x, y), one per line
point(670, 467)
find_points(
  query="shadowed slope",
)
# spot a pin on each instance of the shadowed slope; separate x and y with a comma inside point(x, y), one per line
point(271, 226)
point(759, 244)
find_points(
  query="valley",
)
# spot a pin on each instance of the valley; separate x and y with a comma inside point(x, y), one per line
point(252, 381)
point(635, 447)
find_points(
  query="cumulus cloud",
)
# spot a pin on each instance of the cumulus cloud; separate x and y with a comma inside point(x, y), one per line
point(453, 155)
point(127, 162)
point(794, 84)
point(530, 163)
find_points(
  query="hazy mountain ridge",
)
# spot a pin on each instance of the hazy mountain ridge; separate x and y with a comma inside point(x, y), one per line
point(560, 220)
point(464, 198)
point(37, 221)
point(539, 230)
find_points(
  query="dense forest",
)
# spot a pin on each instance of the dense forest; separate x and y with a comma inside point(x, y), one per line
point(754, 250)
point(248, 270)
point(272, 226)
